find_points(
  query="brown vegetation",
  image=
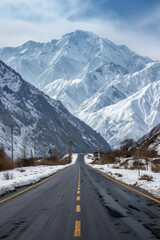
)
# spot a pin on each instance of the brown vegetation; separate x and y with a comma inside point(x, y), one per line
point(125, 152)
point(155, 169)
point(52, 161)
point(109, 158)
point(124, 164)
point(118, 174)
point(156, 161)
point(144, 152)
point(115, 167)
point(24, 162)
point(132, 167)
point(8, 176)
point(146, 177)
point(21, 170)
point(5, 162)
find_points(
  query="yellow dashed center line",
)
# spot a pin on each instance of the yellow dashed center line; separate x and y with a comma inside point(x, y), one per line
point(78, 208)
point(78, 198)
point(77, 232)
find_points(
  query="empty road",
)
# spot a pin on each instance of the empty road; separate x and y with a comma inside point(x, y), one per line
point(79, 203)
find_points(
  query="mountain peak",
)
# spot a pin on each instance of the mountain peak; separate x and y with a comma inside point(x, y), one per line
point(79, 34)
point(30, 43)
point(91, 75)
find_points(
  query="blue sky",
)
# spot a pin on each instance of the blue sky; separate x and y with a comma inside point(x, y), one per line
point(134, 23)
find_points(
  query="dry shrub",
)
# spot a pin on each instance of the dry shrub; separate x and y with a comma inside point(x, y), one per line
point(108, 158)
point(118, 174)
point(19, 163)
point(28, 162)
point(126, 167)
point(52, 162)
point(24, 162)
point(5, 162)
point(142, 167)
point(111, 157)
point(8, 176)
point(146, 177)
point(135, 165)
point(64, 161)
point(156, 161)
point(144, 152)
point(46, 162)
point(125, 163)
point(21, 170)
point(155, 169)
point(118, 161)
point(132, 167)
point(128, 153)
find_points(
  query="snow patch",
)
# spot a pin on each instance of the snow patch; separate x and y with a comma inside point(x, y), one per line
point(130, 177)
point(30, 175)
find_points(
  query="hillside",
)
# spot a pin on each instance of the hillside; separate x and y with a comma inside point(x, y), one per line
point(152, 139)
point(38, 118)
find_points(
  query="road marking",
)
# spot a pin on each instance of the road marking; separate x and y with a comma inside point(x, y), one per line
point(145, 195)
point(79, 177)
point(77, 231)
point(27, 189)
point(78, 208)
point(78, 198)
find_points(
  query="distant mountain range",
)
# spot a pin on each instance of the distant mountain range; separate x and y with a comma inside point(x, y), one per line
point(39, 119)
point(110, 87)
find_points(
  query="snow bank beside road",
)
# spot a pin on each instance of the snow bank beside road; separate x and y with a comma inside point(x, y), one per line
point(29, 175)
point(130, 177)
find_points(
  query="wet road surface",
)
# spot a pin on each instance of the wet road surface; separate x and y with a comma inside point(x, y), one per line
point(79, 203)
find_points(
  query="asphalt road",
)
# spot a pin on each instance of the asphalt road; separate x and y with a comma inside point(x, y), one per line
point(79, 203)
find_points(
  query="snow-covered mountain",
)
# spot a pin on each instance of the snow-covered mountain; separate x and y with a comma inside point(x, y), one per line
point(110, 87)
point(34, 115)
point(73, 68)
point(127, 108)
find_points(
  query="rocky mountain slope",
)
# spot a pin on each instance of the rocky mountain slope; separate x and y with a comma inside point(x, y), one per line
point(152, 139)
point(37, 117)
point(135, 109)
point(110, 87)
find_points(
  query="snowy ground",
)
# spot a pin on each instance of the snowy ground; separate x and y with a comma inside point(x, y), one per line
point(130, 176)
point(29, 175)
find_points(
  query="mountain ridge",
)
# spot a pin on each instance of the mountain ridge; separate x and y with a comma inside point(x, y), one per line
point(91, 76)
point(36, 115)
